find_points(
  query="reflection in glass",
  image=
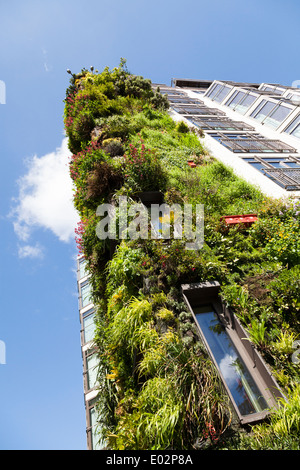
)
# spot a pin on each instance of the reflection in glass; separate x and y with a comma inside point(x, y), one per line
point(89, 328)
point(263, 110)
point(92, 363)
point(240, 383)
point(86, 294)
point(82, 268)
point(96, 443)
point(243, 106)
point(277, 116)
point(294, 127)
point(222, 94)
point(214, 89)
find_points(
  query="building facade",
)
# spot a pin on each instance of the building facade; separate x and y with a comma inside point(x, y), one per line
point(89, 357)
point(253, 128)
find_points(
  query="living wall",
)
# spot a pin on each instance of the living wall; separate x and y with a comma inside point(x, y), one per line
point(157, 386)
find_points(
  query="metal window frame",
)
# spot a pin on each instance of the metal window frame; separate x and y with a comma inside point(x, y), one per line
point(203, 121)
point(80, 285)
point(184, 100)
point(204, 293)
point(83, 316)
point(277, 104)
point(270, 144)
point(279, 175)
point(234, 95)
point(85, 355)
point(221, 89)
point(285, 176)
point(243, 99)
point(89, 406)
point(296, 124)
point(261, 106)
point(211, 88)
point(208, 111)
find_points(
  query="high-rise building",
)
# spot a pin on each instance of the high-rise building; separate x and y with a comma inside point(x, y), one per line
point(255, 130)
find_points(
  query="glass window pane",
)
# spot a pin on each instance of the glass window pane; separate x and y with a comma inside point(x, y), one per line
point(96, 443)
point(82, 268)
point(235, 98)
point(257, 165)
point(91, 364)
point(263, 111)
point(86, 294)
point(223, 93)
point(292, 164)
point(245, 104)
point(294, 127)
point(89, 328)
point(215, 88)
point(296, 132)
point(277, 116)
point(239, 381)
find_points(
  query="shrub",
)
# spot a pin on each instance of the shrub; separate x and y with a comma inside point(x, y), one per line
point(102, 181)
point(113, 147)
point(284, 243)
point(182, 127)
point(143, 171)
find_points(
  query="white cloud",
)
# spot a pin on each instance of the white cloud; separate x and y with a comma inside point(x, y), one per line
point(28, 251)
point(45, 197)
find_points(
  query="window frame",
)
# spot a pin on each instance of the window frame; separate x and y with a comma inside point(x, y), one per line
point(88, 353)
point(203, 123)
point(200, 294)
point(294, 124)
point(277, 104)
point(89, 313)
point(89, 409)
point(206, 110)
point(233, 141)
point(81, 298)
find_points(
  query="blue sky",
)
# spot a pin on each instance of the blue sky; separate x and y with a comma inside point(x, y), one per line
point(41, 386)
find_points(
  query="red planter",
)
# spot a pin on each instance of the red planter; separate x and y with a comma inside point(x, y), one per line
point(245, 219)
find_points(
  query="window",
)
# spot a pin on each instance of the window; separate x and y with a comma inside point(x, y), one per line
point(93, 427)
point(284, 171)
point(198, 110)
point(96, 444)
point(294, 127)
point(172, 92)
point(210, 123)
point(270, 113)
point(221, 95)
point(253, 143)
point(88, 325)
point(82, 268)
point(91, 370)
point(241, 101)
point(277, 116)
point(288, 178)
point(247, 380)
point(274, 90)
point(185, 100)
point(213, 89)
point(264, 108)
point(85, 294)
point(235, 98)
point(236, 375)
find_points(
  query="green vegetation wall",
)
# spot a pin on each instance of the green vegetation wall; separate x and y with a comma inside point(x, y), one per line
point(157, 386)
